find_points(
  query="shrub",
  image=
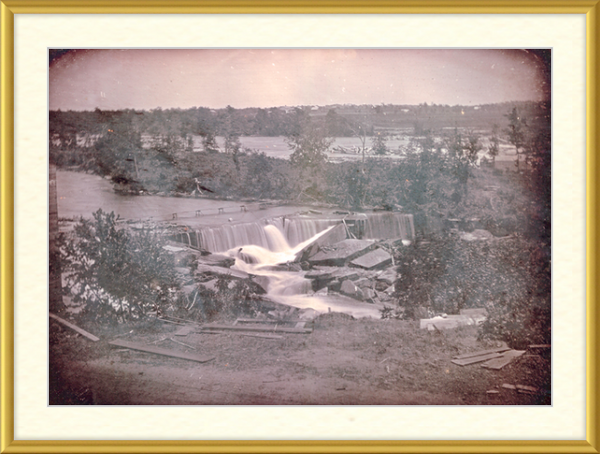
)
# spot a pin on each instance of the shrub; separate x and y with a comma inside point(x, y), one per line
point(114, 274)
point(510, 278)
point(230, 300)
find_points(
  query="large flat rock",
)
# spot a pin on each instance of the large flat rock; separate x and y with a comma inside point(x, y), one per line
point(322, 276)
point(375, 259)
point(221, 260)
point(342, 252)
point(219, 271)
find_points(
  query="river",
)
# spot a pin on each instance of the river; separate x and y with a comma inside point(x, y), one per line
point(81, 194)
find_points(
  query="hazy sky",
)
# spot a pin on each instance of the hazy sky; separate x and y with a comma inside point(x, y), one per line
point(167, 78)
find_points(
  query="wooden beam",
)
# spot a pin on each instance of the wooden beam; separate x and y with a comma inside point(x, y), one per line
point(481, 353)
point(506, 358)
point(161, 351)
point(75, 328)
point(476, 359)
point(267, 329)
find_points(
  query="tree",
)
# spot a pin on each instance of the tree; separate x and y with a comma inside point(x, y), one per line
point(494, 147)
point(516, 131)
point(232, 136)
point(378, 143)
point(308, 143)
point(209, 140)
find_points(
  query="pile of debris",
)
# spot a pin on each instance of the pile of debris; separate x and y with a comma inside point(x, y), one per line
point(466, 317)
point(497, 359)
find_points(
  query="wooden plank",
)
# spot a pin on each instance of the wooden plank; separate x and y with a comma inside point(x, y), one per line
point(540, 346)
point(506, 358)
point(268, 329)
point(263, 336)
point(481, 353)
point(75, 328)
point(527, 389)
point(476, 359)
point(269, 321)
point(161, 351)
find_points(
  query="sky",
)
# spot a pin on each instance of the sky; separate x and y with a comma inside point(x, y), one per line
point(110, 79)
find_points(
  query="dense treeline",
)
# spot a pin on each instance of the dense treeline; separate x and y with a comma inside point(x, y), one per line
point(82, 127)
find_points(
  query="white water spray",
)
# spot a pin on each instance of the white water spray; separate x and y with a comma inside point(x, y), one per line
point(286, 287)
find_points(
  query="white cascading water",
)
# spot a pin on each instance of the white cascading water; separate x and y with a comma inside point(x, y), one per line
point(286, 287)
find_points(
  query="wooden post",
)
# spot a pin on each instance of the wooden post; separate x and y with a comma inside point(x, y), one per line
point(55, 290)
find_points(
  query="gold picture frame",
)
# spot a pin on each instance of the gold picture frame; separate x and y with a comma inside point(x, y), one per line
point(10, 8)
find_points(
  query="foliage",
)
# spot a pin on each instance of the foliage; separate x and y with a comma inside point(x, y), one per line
point(232, 298)
point(516, 131)
point(378, 143)
point(115, 274)
point(510, 278)
point(308, 144)
point(494, 147)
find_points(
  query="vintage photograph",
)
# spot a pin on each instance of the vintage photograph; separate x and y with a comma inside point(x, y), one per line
point(299, 226)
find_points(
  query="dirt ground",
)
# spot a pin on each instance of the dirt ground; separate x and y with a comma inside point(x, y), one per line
point(342, 362)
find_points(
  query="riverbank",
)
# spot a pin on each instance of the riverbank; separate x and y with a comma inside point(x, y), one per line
point(341, 362)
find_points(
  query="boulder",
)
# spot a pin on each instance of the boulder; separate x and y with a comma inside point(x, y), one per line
point(342, 252)
point(262, 282)
point(388, 277)
point(364, 282)
point(375, 259)
point(368, 295)
point(334, 286)
point(349, 289)
point(381, 286)
point(324, 291)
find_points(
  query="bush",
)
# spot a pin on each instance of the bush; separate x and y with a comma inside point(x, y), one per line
point(114, 274)
point(233, 298)
point(510, 278)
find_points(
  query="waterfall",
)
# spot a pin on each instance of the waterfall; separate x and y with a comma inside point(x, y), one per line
point(280, 233)
point(389, 225)
point(286, 287)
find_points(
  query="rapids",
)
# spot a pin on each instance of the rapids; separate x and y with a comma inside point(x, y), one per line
point(289, 287)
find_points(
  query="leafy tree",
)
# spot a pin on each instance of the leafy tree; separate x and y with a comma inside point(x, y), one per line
point(494, 146)
point(308, 143)
point(516, 131)
point(378, 142)
point(258, 181)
